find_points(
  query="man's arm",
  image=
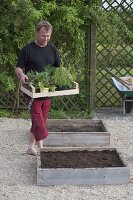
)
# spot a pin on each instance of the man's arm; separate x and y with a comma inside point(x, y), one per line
point(23, 77)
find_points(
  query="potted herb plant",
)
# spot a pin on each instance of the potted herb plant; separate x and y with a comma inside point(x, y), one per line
point(43, 81)
point(39, 80)
point(32, 81)
point(62, 78)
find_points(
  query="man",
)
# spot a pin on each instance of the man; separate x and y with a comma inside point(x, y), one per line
point(36, 56)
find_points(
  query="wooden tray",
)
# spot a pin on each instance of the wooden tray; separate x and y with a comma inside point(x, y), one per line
point(30, 91)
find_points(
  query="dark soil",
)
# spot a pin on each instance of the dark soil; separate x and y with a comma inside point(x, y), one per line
point(81, 159)
point(74, 129)
point(73, 126)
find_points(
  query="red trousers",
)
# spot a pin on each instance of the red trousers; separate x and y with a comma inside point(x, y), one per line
point(39, 114)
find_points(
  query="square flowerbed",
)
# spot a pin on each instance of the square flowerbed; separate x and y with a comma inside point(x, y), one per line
point(80, 166)
point(77, 132)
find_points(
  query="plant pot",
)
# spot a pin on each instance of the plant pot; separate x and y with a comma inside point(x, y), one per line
point(43, 89)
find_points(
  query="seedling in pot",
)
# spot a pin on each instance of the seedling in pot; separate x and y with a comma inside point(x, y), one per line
point(62, 78)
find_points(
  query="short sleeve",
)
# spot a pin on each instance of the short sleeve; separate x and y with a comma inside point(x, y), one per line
point(57, 60)
point(21, 62)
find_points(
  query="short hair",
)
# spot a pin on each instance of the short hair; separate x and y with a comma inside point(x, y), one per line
point(44, 24)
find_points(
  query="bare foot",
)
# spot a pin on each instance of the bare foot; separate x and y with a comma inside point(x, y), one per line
point(31, 151)
point(40, 144)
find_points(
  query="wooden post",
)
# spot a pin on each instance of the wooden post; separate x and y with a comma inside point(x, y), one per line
point(90, 64)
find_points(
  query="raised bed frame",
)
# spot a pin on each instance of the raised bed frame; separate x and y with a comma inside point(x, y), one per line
point(80, 176)
point(90, 137)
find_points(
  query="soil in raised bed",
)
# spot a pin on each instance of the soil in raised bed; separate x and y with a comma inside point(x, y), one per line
point(75, 128)
point(80, 159)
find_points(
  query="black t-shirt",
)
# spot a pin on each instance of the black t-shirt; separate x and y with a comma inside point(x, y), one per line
point(33, 57)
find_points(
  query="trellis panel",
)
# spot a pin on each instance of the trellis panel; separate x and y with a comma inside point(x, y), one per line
point(116, 57)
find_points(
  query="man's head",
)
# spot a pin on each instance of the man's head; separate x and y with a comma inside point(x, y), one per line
point(43, 33)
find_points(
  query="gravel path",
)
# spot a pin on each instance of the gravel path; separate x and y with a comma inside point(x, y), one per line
point(18, 170)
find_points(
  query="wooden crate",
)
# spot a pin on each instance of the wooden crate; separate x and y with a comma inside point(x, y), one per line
point(77, 132)
point(31, 91)
point(80, 176)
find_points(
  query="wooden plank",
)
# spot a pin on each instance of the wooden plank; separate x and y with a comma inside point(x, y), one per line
point(65, 149)
point(78, 176)
point(77, 139)
point(85, 176)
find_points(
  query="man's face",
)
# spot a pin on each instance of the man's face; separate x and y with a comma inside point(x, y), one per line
point(43, 36)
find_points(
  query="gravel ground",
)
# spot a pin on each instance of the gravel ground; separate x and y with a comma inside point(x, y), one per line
point(18, 170)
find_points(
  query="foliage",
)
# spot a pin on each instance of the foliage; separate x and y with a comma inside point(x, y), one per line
point(7, 81)
point(63, 114)
point(53, 114)
point(5, 113)
point(36, 79)
point(62, 77)
point(69, 18)
point(50, 78)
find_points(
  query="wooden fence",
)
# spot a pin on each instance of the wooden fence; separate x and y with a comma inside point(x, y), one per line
point(116, 57)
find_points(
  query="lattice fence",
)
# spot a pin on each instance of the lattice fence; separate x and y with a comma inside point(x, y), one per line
point(6, 100)
point(116, 57)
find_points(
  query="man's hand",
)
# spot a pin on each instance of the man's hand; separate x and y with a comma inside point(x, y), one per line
point(23, 78)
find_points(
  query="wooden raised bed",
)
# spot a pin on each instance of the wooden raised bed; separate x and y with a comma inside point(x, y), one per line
point(31, 91)
point(77, 132)
point(57, 166)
